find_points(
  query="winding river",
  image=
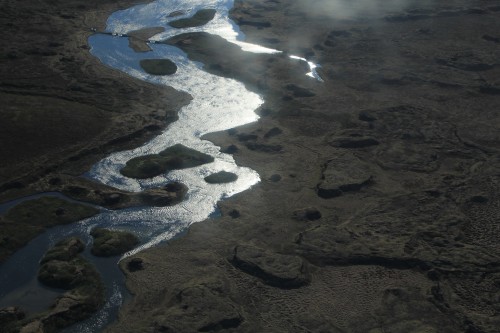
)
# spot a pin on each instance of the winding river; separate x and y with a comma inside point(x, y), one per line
point(218, 104)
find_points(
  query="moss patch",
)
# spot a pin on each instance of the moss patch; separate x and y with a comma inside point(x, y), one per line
point(109, 243)
point(172, 158)
point(30, 218)
point(201, 17)
point(221, 177)
point(158, 66)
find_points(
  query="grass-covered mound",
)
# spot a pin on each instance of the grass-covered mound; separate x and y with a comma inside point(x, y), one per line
point(201, 17)
point(173, 158)
point(28, 219)
point(158, 66)
point(221, 177)
point(62, 267)
point(109, 243)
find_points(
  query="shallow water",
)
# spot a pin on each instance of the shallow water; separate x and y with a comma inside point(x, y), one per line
point(218, 104)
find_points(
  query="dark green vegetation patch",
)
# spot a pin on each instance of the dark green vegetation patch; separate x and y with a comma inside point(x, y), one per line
point(173, 158)
point(30, 218)
point(158, 66)
point(201, 17)
point(109, 243)
point(221, 177)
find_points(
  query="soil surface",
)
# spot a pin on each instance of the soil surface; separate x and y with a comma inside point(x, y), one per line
point(62, 109)
point(378, 207)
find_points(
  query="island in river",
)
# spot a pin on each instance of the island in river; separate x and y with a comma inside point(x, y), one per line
point(378, 207)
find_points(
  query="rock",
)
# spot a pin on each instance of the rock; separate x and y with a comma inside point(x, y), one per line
point(109, 243)
point(343, 173)
point(277, 270)
point(307, 214)
point(136, 264)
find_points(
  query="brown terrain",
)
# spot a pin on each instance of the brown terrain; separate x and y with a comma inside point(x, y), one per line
point(378, 209)
point(62, 110)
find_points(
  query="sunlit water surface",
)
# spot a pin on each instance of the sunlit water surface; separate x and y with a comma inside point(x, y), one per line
point(218, 104)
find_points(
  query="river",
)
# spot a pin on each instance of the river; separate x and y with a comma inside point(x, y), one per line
point(218, 104)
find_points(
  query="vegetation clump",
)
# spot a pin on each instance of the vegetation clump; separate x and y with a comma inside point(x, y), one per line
point(221, 177)
point(158, 66)
point(62, 267)
point(28, 219)
point(109, 243)
point(201, 17)
point(173, 158)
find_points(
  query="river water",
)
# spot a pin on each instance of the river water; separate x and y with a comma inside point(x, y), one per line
point(218, 104)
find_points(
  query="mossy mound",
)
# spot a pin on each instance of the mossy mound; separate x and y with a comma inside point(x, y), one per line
point(109, 243)
point(202, 17)
point(221, 177)
point(28, 219)
point(62, 267)
point(158, 66)
point(168, 195)
point(173, 158)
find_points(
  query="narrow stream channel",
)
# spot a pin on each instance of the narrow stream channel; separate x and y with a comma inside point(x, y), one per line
point(218, 104)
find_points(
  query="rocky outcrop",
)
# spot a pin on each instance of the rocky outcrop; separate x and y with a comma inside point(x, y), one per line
point(277, 270)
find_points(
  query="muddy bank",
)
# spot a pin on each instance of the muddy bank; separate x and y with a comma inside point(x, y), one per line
point(394, 156)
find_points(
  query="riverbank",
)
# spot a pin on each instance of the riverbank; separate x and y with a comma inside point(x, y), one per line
point(66, 110)
point(378, 210)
